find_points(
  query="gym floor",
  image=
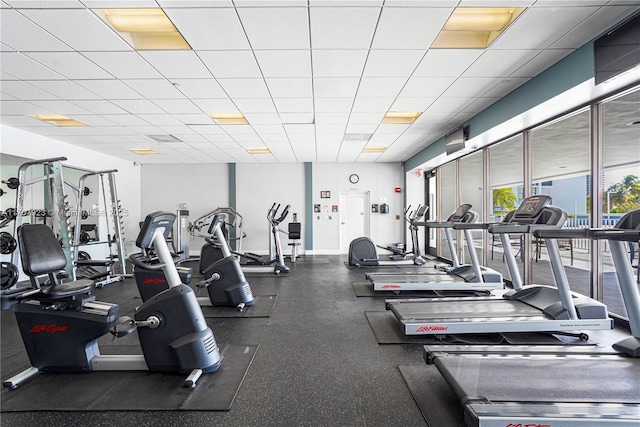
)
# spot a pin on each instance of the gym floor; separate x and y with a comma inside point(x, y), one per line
point(318, 362)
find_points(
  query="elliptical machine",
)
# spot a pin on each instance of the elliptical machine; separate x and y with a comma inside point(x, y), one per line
point(363, 252)
point(212, 253)
point(60, 323)
point(224, 279)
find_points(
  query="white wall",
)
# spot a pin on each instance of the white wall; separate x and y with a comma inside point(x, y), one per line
point(380, 179)
point(30, 146)
point(415, 197)
point(202, 187)
point(258, 186)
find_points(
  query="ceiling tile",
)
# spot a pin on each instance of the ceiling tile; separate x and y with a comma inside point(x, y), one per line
point(177, 64)
point(65, 89)
point(499, 63)
point(255, 105)
point(20, 33)
point(380, 87)
point(284, 63)
point(215, 105)
point(505, 86)
point(177, 106)
point(17, 64)
point(262, 119)
point(392, 63)
point(541, 62)
point(366, 118)
point(328, 87)
point(276, 28)
point(343, 27)
point(552, 24)
point(409, 27)
point(138, 106)
point(338, 63)
point(110, 89)
point(79, 28)
point(364, 105)
point(290, 87)
point(448, 105)
point(126, 120)
point(194, 119)
point(411, 104)
point(294, 105)
point(24, 91)
point(244, 88)
point(421, 87)
point(230, 63)
point(199, 88)
point(124, 65)
point(329, 105)
point(99, 106)
point(61, 107)
point(470, 87)
point(209, 28)
point(27, 4)
point(446, 62)
point(154, 88)
point(161, 120)
point(333, 118)
point(72, 65)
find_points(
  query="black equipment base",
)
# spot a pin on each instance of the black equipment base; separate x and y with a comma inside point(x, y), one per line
point(261, 307)
point(131, 390)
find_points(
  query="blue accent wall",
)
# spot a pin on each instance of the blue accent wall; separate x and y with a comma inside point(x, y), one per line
point(571, 71)
point(308, 201)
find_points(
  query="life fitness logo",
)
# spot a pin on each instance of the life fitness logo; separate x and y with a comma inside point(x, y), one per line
point(527, 425)
point(431, 328)
point(152, 281)
point(391, 286)
point(49, 329)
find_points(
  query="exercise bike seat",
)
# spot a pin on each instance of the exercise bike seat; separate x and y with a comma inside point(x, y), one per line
point(41, 254)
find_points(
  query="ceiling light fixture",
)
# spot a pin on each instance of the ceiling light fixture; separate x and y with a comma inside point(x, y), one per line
point(143, 151)
point(144, 29)
point(475, 27)
point(229, 118)
point(400, 117)
point(263, 150)
point(374, 149)
point(58, 120)
point(163, 138)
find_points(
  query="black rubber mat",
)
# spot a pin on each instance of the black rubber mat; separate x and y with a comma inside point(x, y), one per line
point(365, 289)
point(434, 397)
point(387, 330)
point(262, 307)
point(132, 390)
point(381, 268)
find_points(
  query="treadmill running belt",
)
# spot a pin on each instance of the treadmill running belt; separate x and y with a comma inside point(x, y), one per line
point(544, 379)
point(477, 308)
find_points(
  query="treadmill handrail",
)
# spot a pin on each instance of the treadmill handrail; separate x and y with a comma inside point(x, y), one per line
point(564, 233)
point(472, 226)
point(617, 234)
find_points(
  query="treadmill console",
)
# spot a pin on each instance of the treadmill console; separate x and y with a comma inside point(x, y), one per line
point(530, 209)
point(460, 213)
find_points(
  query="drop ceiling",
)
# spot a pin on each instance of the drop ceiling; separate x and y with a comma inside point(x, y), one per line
point(307, 75)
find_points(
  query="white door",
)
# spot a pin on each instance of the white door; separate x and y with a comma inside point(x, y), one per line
point(354, 218)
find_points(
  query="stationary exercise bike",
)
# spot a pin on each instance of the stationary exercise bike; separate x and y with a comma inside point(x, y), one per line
point(223, 279)
point(60, 323)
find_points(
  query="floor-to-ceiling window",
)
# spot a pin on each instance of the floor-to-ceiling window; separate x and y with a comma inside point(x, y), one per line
point(471, 191)
point(505, 193)
point(560, 168)
point(621, 180)
point(448, 201)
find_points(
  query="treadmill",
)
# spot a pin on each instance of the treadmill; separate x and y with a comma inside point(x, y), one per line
point(459, 277)
point(530, 308)
point(565, 386)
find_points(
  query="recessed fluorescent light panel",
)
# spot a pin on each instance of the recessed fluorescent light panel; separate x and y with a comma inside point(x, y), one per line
point(143, 151)
point(144, 29)
point(362, 137)
point(374, 149)
point(58, 120)
point(229, 118)
point(258, 151)
point(400, 117)
point(475, 27)
point(163, 138)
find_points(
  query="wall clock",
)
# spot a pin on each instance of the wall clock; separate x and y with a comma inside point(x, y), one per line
point(353, 178)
